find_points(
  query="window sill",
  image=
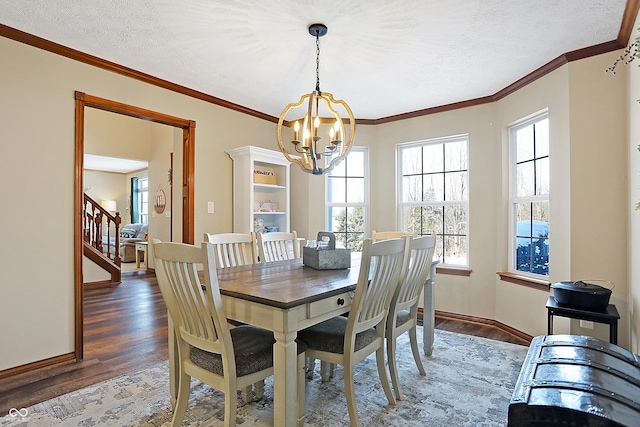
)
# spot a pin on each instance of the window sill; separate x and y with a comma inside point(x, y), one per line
point(453, 271)
point(524, 280)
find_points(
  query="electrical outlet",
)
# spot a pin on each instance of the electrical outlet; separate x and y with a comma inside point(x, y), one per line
point(587, 324)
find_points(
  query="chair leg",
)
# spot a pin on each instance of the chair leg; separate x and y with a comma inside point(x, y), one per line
point(393, 368)
point(382, 372)
point(310, 367)
point(259, 389)
point(246, 394)
point(230, 408)
point(302, 400)
point(184, 388)
point(414, 348)
point(325, 371)
point(349, 391)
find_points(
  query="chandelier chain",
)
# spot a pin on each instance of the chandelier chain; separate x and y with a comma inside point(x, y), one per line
point(318, 61)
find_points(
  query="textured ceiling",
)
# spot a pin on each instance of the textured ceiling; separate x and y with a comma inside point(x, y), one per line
point(384, 57)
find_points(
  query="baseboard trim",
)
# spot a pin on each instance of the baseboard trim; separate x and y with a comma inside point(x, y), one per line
point(45, 363)
point(480, 320)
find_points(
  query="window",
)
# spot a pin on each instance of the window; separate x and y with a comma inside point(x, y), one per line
point(529, 188)
point(140, 200)
point(347, 197)
point(433, 194)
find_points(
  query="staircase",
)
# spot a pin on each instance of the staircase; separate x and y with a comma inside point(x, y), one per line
point(99, 247)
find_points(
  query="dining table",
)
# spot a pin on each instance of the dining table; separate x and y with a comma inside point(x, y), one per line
point(286, 297)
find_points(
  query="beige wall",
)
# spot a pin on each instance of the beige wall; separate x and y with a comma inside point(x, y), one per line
point(634, 196)
point(37, 105)
point(37, 115)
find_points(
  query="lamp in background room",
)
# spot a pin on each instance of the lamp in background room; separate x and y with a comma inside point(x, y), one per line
point(306, 148)
point(109, 205)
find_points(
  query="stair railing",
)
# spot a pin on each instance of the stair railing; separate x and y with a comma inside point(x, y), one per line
point(98, 228)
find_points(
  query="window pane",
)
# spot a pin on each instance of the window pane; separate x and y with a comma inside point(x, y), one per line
point(456, 156)
point(433, 158)
point(523, 255)
point(524, 179)
point(524, 144)
point(433, 188)
point(542, 138)
point(337, 219)
point(340, 168)
point(355, 190)
point(355, 163)
point(412, 188)
point(336, 190)
point(455, 250)
point(412, 219)
point(456, 186)
point(455, 220)
point(411, 161)
point(542, 176)
point(432, 220)
point(540, 218)
point(523, 219)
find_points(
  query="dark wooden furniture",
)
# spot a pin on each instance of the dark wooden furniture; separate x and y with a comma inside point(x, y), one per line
point(571, 380)
point(609, 316)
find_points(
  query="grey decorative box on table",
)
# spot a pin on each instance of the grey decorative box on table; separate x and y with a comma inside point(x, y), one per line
point(326, 257)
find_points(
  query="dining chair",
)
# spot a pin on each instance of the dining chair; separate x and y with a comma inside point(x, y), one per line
point(233, 249)
point(403, 312)
point(384, 235)
point(278, 246)
point(226, 359)
point(347, 341)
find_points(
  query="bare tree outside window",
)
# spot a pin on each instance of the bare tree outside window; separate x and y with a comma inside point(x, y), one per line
point(346, 199)
point(434, 195)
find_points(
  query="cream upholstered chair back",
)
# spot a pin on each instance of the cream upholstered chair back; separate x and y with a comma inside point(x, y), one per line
point(205, 347)
point(385, 235)
point(233, 249)
point(403, 312)
point(278, 246)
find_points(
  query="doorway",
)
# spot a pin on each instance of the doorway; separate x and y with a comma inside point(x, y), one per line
point(187, 183)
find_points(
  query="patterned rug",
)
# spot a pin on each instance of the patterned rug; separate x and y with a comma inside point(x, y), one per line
point(469, 382)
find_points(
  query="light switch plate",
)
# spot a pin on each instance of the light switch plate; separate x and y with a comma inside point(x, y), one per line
point(210, 207)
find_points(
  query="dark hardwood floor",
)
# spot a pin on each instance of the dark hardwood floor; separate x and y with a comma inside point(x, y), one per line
point(125, 329)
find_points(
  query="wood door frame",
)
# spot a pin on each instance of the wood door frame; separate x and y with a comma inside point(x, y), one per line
point(188, 160)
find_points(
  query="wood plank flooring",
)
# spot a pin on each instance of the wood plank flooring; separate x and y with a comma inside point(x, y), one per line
point(125, 329)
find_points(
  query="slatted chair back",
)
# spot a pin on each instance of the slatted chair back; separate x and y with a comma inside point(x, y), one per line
point(203, 339)
point(403, 312)
point(233, 249)
point(278, 246)
point(381, 266)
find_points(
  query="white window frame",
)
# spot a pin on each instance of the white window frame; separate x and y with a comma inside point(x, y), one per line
point(400, 204)
point(364, 204)
point(514, 200)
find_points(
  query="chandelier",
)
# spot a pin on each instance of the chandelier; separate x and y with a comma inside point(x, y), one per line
point(322, 111)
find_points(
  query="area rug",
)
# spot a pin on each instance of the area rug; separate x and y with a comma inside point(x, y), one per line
point(469, 382)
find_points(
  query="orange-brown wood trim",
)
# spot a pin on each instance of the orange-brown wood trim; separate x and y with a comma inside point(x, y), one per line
point(49, 46)
point(188, 146)
point(628, 18)
point(524, 281)
point(480, 320)
point(453, 271)
point(78, 199)
point(626, 28)
point(51, 361)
